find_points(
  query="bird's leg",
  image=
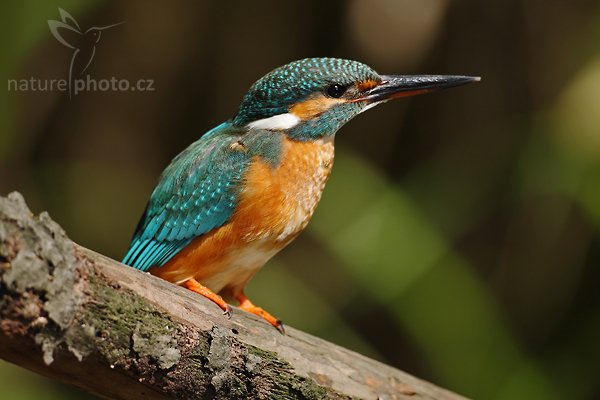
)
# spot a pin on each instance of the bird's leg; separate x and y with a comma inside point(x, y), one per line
point(246, 305)
point(197, 287)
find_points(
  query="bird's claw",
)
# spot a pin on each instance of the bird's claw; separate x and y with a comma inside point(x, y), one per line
point(279, 326)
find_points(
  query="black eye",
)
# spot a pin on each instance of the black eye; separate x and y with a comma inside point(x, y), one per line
point(336, 91)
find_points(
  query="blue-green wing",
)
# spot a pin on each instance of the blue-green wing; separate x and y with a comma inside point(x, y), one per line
point(196, 193)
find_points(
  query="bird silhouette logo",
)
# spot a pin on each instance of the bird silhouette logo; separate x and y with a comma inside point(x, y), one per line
point(83, 43)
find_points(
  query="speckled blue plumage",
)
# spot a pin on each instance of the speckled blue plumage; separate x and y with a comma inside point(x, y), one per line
point(273, 93)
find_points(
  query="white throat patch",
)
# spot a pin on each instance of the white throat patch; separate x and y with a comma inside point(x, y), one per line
point(276, 122)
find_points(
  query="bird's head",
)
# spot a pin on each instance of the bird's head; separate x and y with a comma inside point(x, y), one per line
point(314, 97)
point(94, 33)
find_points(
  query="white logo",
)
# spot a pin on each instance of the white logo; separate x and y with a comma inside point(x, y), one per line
point(83, 43)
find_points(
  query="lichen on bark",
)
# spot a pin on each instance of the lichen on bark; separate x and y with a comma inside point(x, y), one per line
point(75, 315)
point(41, 263)
point(73, 308)
point(124, 322)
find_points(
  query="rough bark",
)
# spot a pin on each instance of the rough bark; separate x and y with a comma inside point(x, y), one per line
point(78, 317)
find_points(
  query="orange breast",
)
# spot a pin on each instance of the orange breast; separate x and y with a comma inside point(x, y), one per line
point(275, 206)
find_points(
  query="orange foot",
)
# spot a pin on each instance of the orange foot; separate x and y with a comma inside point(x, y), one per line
point(246, 305)
point(197, 287)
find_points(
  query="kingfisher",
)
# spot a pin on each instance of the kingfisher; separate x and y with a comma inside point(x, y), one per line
point(247, 188)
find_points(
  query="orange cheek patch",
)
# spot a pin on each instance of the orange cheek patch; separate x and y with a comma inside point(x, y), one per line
point(313, 106)
point(367, 85)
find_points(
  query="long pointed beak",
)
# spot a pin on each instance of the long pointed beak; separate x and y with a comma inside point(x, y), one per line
point(101, 28)
point(395, 86)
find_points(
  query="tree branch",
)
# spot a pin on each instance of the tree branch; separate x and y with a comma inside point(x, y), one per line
point(78, 317)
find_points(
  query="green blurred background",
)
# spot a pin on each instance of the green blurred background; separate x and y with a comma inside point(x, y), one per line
point(458, 236)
